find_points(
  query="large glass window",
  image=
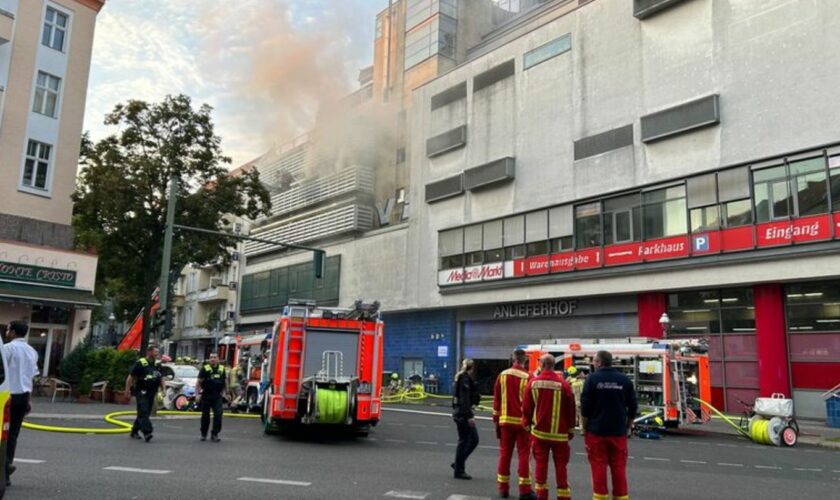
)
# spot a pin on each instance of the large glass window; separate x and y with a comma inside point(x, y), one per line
point(47, 88)
point(549, 50)
point(473, 245)
point(588, 225)
point(665, 212)
point(55, 29)
point(813, 307)
point(514, 237)
point(793, 190)
point(420, 10)
point(705, 219)
point(737, 213)
point(772, 197)
point(834, 174)
point(536, 233)
point(36, 166)
point(435, 37)
point(451, 248)
point(810, 190)
point(493, 246)
point(623, 219)
point(560, 228)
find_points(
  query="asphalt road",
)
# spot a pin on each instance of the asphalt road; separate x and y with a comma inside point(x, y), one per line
point(407, 456)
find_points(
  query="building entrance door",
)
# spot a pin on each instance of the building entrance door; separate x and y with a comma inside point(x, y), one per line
point(49, 342)
point(38, 339)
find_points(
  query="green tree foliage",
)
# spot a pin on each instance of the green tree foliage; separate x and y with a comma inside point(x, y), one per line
point(121, 195)
point(72, 367)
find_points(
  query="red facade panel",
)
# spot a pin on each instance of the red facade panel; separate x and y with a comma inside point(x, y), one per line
point(818, 376)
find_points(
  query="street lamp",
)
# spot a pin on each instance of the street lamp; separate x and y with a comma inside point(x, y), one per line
point(111, 330)
point(665, 323)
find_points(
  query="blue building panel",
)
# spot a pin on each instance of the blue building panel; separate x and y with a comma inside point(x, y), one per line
point(427, 336)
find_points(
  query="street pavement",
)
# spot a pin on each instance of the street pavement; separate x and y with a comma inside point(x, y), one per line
point(407, 456)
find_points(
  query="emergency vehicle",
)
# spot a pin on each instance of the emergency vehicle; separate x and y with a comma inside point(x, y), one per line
point(325, 368)
point(667, 374)
point(250, 353)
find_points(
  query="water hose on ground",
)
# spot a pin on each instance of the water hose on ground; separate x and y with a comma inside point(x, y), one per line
point(726, 419)
point(121, 427)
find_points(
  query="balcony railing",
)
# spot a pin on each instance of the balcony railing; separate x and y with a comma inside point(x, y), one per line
point(219, 293)
point(312, 192)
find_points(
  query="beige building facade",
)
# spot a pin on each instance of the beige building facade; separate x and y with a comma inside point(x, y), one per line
point(45, 54)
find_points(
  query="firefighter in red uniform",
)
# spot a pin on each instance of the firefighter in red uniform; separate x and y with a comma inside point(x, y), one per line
point(608, 407)
point(548, 410)
point(507, 415)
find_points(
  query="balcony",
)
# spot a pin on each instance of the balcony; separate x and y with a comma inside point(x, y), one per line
point(216, 294)
point(315, 191)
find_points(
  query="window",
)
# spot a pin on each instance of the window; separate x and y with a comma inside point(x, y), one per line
point(545, 52)
point(420, 10)
point(772, 197)
point(560, 228)
point(728, 311)
point(514, 237)
point(737, 213)
point(622, 219)
point(813, 307)
point(808, 182)
point(436, 37)
point(47, 88)
point(55, 29)
point(588, 225)
point(834, 176)
point(451, 248)
point(493, 247)
point(665, 212)
point(36, 166)
point(473, 240)
point(705, 219)
point(536, 233)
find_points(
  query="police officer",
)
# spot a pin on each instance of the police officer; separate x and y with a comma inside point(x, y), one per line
point(212, 383)
point(148, 379)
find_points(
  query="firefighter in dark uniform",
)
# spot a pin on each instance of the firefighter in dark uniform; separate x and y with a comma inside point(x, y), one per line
point(212, 381)
point(144, 381)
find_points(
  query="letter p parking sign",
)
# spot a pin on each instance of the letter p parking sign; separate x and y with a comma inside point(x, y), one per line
point(701, 243)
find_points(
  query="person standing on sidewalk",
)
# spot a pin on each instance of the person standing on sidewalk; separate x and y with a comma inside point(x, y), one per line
point(464, 397)
point(507, 415)
point(548, 410)
point(211, 385)
point(22, 366)
point(608, 407)
point(146, 374)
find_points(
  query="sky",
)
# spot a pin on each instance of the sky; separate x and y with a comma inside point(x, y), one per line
point(265, 66)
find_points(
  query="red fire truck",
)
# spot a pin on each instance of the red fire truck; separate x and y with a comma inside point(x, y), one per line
point(325, 368)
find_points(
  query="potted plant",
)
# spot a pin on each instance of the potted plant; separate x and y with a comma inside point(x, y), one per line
point(98, 368)
point(121, 366)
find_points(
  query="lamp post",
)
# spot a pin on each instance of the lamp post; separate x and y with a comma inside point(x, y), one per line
point(665, 323)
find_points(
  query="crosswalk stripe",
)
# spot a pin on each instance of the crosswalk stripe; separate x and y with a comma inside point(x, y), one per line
point(274, 481)
point(417, 495)
point(134, 469)
point(29, 461)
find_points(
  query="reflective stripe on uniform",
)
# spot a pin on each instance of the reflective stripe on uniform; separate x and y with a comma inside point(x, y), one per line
point(548, 436)
point(564, 492)
point(555, 413)
point(524, 481)
point(504, 398)
point(547, 384)
point(510, 420)
point(543, 486)
point(598, 496)
point(503, 479)
point(623, 497)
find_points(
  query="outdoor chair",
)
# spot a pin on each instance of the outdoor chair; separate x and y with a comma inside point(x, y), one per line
point(60, 386)
point(98, 389)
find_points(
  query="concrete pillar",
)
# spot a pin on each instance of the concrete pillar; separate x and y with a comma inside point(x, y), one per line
point(771, 344)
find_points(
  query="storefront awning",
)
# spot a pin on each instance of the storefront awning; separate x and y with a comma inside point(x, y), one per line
point(47, 295)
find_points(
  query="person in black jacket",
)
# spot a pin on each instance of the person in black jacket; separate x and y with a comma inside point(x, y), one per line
point(464, 396)
point(608, 407)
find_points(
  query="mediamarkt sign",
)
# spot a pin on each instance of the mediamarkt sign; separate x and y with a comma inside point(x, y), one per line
point(799, 231)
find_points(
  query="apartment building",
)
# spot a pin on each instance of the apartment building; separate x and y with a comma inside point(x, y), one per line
point(45, 52)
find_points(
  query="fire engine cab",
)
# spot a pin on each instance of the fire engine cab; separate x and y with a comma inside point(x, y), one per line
point(325, 368)
point(667, 374)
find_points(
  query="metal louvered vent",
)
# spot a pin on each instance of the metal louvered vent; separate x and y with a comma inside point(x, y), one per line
point(501, 170)
point(447, 141)
point(444, 188)
point(683, 118)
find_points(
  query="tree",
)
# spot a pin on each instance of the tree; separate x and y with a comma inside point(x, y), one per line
point(121, 195)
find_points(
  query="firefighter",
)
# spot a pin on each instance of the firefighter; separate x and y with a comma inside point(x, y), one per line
point(507, 415)
point(576, 381)
point(211, 385)
point(144, 381)
point(608, 407)
point(548, 411)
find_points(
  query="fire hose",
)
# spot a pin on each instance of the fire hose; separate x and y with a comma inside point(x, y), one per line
point(113, 419)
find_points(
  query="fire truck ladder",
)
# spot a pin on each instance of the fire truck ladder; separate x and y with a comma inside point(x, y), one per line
point(683, 395)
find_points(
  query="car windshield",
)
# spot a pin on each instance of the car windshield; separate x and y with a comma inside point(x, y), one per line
point(186, 372)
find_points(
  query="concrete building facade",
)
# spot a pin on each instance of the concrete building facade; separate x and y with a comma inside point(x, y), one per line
point(45, 51)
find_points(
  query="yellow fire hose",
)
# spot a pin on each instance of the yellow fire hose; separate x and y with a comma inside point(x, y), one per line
point(121, 427)
point(759, 430)
point(332, 406)
point(726, 419)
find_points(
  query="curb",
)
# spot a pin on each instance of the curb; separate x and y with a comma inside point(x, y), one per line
point(803, 439)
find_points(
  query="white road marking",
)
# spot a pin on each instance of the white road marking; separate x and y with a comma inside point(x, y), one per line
point(433, 443)
point(29, 461)
point(465, 497)
point(724, 464)
point(699, 462)
point(396, 441)
point(418, 495)
point(274, 481)
point(767, 467)
point(422, 412)
point(451, 444)
point(134, 469)
point(488, 447)
point(807, 470)
point(441, 426)
point(727, 445)
point(656, 459)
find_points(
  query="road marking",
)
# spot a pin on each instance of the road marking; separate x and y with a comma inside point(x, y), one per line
point(656, 459)
point(421, 412)
point(489, 447)
point(432, 443)
point(418, 425)
point(140, 471)
point(727, 445)
point(465, 497)
point(807, 470)
point(451, 444)
point(419, 495)
point(396, 441)
point(699, 462)
point(274, 481)
point(29, 461)
point(724, 464)
point(767, 467)
point(441, 426)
